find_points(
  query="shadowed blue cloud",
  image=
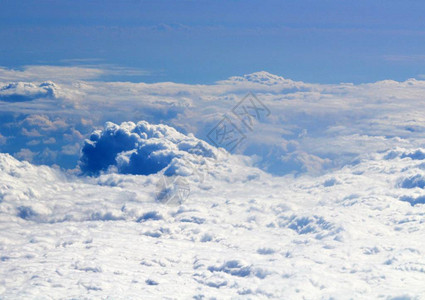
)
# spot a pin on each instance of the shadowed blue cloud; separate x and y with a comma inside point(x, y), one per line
point(23, 91)
point(140, 148)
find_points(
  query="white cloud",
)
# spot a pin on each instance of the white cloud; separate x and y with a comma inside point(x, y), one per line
point(50, 140)
point(67, 73)
point(33, 142)
point(25, 154)
point(71, 149)
point(239, 233)
point(3, 139)
point(49, 73)
point(30, 133)
point(44, 123)
point(25, 91)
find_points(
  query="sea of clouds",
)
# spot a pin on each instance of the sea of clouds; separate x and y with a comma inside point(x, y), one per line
point(322, 198)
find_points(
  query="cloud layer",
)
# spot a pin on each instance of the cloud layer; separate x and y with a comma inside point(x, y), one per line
point(311, 127)
point(241, 232)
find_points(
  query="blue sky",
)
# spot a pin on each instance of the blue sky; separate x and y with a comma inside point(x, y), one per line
point(205, 41)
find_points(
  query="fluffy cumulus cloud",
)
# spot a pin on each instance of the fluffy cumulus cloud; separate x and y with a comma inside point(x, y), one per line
point(140, 148)
point(27, 91)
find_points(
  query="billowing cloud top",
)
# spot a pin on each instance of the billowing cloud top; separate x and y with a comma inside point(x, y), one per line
point(141, 148)
point(262, 78)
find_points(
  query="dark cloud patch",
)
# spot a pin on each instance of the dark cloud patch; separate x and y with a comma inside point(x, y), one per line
point(416, 155)
point(413, 200)
point(416, 181)
point(139, 148)
point(100, 151)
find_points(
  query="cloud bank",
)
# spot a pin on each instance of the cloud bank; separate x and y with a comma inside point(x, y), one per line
point(43, 73)
point(311, 127)
point(241, 233)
